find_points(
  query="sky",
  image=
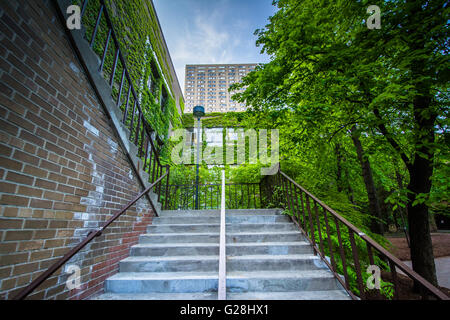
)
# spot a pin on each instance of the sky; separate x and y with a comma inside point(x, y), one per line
point(212, 31)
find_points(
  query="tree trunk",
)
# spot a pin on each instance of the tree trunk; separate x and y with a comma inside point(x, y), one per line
point(420, 172)
point(374, 205)
point(338, 153)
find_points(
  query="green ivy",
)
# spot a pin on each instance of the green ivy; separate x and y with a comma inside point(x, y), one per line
point(134, 22)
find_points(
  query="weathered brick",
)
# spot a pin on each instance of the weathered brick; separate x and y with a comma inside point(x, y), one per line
point(44, 234)
point(45, 184)
point(25, 268)
point(11, 223)
point(10, 212)
point(7, 199)
point(8, 247)
point(6, 187)
point(28, 191)
point(10, 164)
point(44, 204)
point(14, 258)
point(54, 243)
point(19, 178)
point(36, 224)
point(36, 172)
point(30, 245)
point(53, 195)
point(14, 235)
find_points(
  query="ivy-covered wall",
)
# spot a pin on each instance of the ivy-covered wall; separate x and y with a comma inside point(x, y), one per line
point(215, 120)
point(147, 59)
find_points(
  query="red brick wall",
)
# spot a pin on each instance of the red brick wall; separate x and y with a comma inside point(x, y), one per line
point(62, 170)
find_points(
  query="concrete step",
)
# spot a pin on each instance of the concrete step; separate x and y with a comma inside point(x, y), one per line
point(185, 282)
point(213, 237)
point(265, 236)
point(170, 264)
point(285, 281)
point(216, 212)
point(288, 296)
point(232, 249)
point(230, 227)
point(273, 248)
point(158, 296)
point(174, 249)
point(166, 282)
point(216, 219)
point(204, 237)
point(276, 263)
point(210, 263)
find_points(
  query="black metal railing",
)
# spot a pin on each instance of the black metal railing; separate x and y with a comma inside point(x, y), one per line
point(238, 196)
point(344, 248)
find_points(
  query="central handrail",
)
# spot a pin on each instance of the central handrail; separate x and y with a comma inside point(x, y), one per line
point(91, 235)
point(222, 285)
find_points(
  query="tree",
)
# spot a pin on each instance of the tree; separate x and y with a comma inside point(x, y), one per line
point(392, 82)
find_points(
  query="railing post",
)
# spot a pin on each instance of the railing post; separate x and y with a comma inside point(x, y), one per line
point(356, 262)
point(97, 22)
point(167, 186)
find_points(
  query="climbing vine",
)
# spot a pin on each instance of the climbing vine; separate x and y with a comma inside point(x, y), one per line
point(137, 30)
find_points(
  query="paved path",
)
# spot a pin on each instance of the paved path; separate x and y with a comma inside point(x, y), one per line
point(442, 270)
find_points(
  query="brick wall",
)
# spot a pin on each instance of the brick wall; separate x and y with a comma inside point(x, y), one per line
point(62, 170)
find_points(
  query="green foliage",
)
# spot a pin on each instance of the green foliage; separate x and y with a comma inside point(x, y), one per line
point(215, 120)
point(138, 33)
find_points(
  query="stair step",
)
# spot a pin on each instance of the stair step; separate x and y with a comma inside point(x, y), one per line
point(210, 263)
point(170, 264)
point(273, 248)
point(213, 237)
point(206, 227)
point(216, 212)
point(285, 281)
point(233, 249)
point(167, 282)
point(276, 263)
point(205, 237)
point(264, 281)
point(265, 236)
point(158, 296)
point(174, 249)
point(290, 295)
point(216, 219)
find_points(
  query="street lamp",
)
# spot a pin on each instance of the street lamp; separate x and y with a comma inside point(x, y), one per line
point(198, 112)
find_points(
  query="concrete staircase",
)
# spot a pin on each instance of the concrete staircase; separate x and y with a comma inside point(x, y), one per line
point(267, 258)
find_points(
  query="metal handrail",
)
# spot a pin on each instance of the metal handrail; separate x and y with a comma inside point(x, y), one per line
point(292, 191)
point(91, 235)
point(239, 195)
point(222, 281)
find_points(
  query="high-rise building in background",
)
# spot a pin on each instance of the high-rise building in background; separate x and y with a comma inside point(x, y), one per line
point(207, 85)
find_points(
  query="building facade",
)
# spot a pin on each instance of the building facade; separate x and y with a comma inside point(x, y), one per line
point(207, 85)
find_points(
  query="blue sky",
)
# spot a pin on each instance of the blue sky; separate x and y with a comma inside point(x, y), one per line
point(212, 31)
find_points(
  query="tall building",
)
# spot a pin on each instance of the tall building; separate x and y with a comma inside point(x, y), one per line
point(207, 85)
